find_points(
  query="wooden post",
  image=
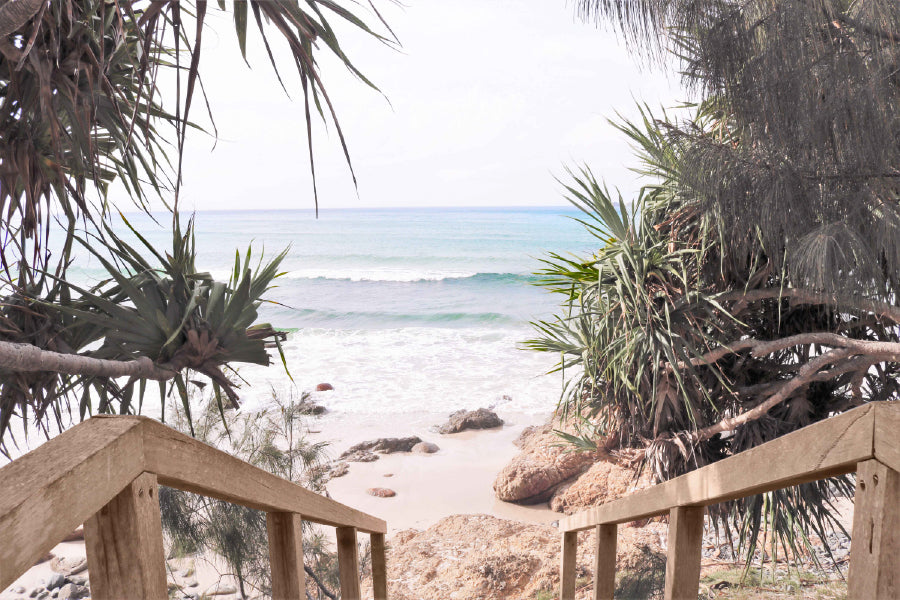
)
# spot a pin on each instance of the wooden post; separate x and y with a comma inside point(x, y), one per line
point(875, 546)
point(286, 555)
point(124, 544)
point(605, 563)
point(683, 556)
point(348, 563)
point(567, 566)
point(379, 566)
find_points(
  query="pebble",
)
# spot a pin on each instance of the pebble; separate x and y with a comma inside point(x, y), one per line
point(56, 581)
point(18, 590)
point(381, 492)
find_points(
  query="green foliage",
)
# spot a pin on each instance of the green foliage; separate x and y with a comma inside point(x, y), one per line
point(274, 441)
point(672, 340)
point(80, 108)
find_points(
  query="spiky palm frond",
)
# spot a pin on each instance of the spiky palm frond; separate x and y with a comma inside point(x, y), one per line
point(689, 350)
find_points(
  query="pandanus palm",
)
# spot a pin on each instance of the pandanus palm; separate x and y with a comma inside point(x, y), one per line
point(79, 108)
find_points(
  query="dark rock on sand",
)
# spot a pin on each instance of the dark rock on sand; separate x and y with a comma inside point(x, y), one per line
point(365, 451)
point(471, 419)
point(381, 492)
point(324, 387)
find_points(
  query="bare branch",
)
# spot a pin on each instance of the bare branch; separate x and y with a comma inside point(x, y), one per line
point(25, 357)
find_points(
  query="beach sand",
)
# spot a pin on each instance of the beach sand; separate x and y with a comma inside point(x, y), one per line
point(457, 479)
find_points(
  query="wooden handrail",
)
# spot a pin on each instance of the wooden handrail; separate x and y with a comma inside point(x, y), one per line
point(104, 472)
point(865, 440)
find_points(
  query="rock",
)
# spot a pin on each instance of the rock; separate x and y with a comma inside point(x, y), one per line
point(364, 451)
point(359, 456)
point(18, 590)
point(481, 557)
point(381, 492)
point(78, 580)
point(543, 465)
point(425, 448)
point(603, 482)
point(471, 419)
point(220, 590)
point(311, 408)
point(43, 595)
point(191, 583)
point(68, 566)
point(57, 580)
point(70, 591)
point(34, 593)
point(339, 469)
point(324, 387)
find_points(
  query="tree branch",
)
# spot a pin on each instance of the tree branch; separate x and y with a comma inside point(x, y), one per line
point(25, 357)
point(808, 373)
point(801, 296)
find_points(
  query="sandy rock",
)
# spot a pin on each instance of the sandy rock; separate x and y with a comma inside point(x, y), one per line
point(324, 387)
point(68, 566)
point(543, 465)
point(365, 451)
point(70, 591)
point(425, 448)
point(381, 492)
point(462, 420)
point(482, 557)
point(359, 456)
point(603, 482)
point(220, 590)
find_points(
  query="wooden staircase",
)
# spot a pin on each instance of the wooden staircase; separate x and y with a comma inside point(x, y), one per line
point(104, 473)
point(865, 440)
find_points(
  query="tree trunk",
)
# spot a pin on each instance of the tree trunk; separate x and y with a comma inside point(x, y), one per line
point(25, 357)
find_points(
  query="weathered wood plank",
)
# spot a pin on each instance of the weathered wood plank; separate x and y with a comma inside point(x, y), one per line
point(887, 433)
point(285, 532)
point(605, 563)
point(830, 447)
point(53, 489)
point(348, 563)
point(875, 546)
point(684, 551)
point(379, 566)
point(124, 545)
point(188, 464)
point(569, 555)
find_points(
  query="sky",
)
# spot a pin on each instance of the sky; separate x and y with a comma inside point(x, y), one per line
point(485, 104)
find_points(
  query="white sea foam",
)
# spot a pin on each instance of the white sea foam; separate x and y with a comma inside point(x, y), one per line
point(411, 370)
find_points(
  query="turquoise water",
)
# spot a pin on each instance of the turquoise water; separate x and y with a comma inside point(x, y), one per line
point(401, 309)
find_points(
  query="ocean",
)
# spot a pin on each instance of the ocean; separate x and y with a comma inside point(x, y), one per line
point(403, 311)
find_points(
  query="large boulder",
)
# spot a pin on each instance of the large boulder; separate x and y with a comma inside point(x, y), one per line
point(496, 558)
point(471, 419)
point(604, 481)
point(540, 468)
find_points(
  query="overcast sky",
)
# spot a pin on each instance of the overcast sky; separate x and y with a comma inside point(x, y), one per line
point(487, 101)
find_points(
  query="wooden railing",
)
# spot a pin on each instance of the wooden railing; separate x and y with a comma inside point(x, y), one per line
point(104, 473)
point(865, 440)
